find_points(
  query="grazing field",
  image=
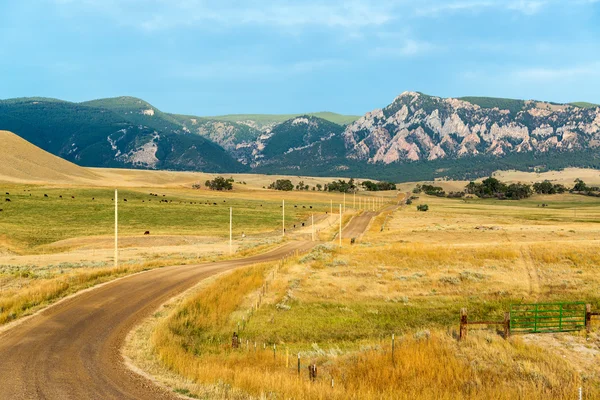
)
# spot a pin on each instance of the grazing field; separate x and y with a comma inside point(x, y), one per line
point(56, 240)
point(409, 276)
point(30, 220)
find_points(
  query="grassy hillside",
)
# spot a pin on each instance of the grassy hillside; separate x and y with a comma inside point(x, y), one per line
point(102, 137)
point(23, 161)
point(513, 105)
point(583, 104)
point(271, 119)
point(132, 108)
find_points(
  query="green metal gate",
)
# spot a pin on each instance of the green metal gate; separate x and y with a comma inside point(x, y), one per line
point(547, 317)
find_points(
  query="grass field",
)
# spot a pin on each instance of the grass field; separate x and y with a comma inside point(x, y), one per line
point(339, 307)
point(31, 220)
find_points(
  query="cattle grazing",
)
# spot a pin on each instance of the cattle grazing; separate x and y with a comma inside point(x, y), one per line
point(163, 195)
point(310, 206)
point(8, 200)
point(295, 206)
point(45, 195)
point(303, 206)
point(72, 197)
point(60, 196)
point(143, 201)
point(1, 210)
point(93, 198)
point(215, 204)
point(294, 225)
point(147, 233)
point(8, 194)
point(125, 200)
point(303, 224)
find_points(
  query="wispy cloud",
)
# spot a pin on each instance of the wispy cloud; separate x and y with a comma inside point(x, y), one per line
point(436, 8)
point(164, 14)
point(251, 70)
point(528, 75)
point(406, 48)
point(545, 74)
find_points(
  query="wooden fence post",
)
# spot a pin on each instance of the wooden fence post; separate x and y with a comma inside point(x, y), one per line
point(393, 348)
point(506, 325)
point(588, 317)
point(298, 363)
point(463, 324)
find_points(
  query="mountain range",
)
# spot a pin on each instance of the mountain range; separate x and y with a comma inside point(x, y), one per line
point(416, 137)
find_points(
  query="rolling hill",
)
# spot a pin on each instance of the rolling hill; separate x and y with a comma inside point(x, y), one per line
point(121, 132)
point(24, 162)
point(416, 137)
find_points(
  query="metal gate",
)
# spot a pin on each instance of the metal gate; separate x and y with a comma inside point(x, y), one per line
point(547, 317)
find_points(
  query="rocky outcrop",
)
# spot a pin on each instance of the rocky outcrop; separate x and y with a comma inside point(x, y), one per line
point(420, 127)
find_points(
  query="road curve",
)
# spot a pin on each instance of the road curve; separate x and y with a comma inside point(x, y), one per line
point(72, 350)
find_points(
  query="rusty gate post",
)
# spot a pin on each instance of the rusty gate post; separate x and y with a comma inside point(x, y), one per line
point(588, 317)
point(506, 325)
point(463, 324)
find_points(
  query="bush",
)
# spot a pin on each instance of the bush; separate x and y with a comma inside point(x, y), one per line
point(422, 207)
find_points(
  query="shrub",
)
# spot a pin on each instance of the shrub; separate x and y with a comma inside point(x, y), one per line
point(423, 207)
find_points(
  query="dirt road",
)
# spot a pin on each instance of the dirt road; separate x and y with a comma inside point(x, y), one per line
point(72, 350)
point(358, 225)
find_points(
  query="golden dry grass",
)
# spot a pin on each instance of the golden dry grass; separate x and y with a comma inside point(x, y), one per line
point(339, 307)
point(24, 162)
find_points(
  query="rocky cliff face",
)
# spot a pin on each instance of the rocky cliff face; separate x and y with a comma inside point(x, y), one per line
point(420, 127)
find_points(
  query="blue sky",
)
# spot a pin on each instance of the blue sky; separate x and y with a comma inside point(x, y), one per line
point(283, 56)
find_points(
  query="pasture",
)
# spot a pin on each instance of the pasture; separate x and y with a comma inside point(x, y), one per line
point(338, 308)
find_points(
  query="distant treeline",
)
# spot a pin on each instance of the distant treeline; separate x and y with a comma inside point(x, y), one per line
point(493, 188)
point(339, 185)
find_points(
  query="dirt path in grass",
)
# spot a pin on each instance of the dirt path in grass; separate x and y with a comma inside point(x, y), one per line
point(72, 350)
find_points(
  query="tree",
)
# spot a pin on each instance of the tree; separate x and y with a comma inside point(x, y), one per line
point(580, 186)
point(376, 186)
point(282, 184)
point(220, 183)
point(301, 186)
point(341, 186)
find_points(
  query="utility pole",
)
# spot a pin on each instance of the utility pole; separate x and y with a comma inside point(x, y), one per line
point(340, 225)
point(116, 229)
point(231, 230)
point(283, 217)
